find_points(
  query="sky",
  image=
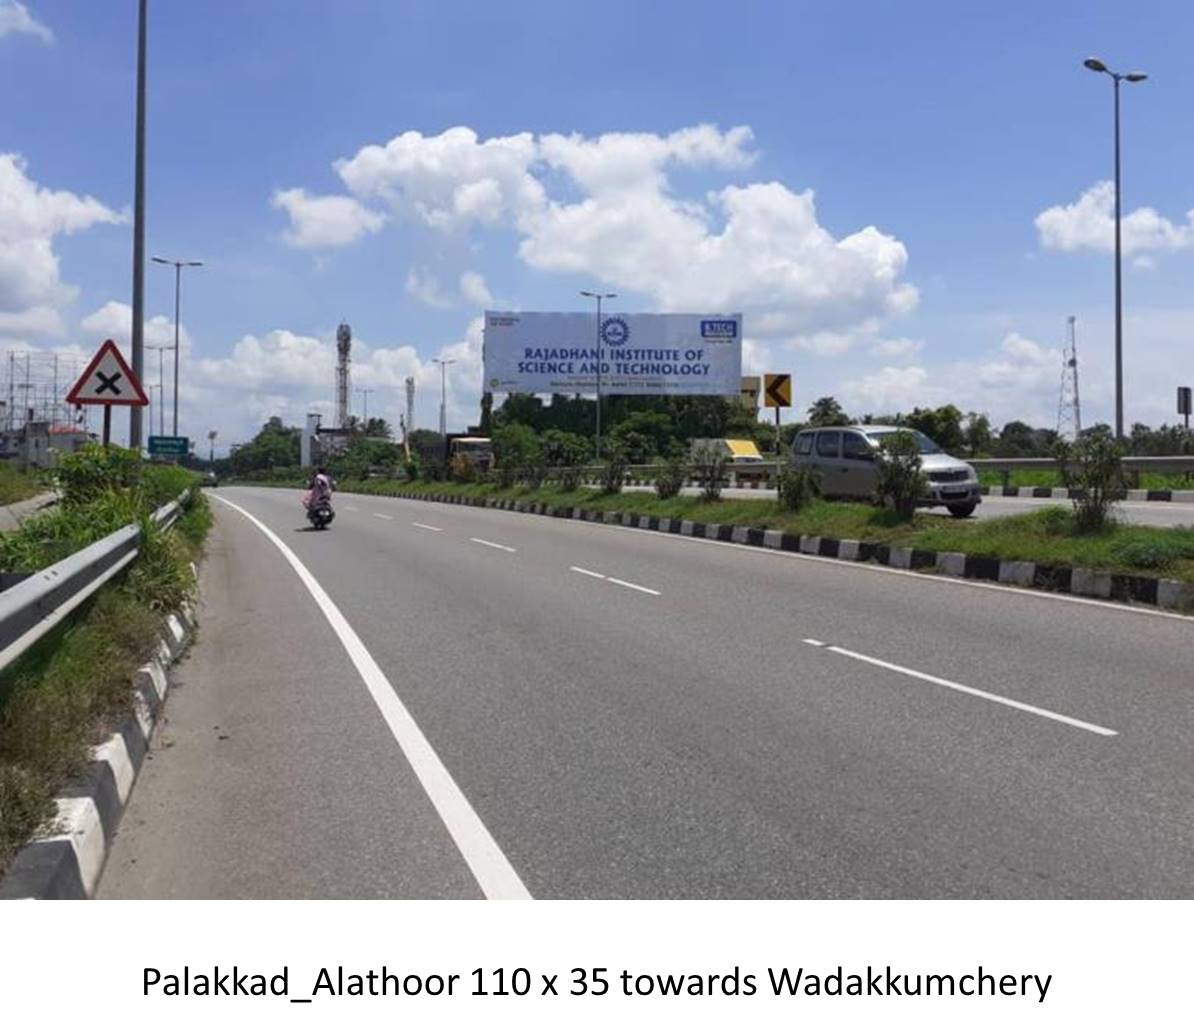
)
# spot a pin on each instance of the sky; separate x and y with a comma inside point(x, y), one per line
point(906, 200)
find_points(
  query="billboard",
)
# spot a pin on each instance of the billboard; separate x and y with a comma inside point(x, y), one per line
point(540, 352)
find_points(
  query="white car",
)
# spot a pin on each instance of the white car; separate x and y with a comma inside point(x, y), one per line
point(845, 458)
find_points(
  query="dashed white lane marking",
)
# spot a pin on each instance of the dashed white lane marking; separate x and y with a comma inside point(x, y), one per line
point(1011, 703)
point(351, 508)
point(489, 865)
point(814, 642)
point(424, 526)
point(491, 544)
point(378, 515)
point(633, 587)
point(614, 580)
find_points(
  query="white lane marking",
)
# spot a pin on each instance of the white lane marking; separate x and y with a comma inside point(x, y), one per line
point(867, 567)
point(351, 508)
point(587, 572)
point(489, 865)
point(378, 515)
point(814, 642)
point(1036, 710)
point(491, 544)
point(633, 587)
point(424, 526)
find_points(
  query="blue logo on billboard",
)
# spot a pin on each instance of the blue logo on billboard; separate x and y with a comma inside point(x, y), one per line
point(719, 329)
point(615, 332)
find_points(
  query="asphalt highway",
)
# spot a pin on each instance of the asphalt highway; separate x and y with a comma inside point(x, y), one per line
point(635, 714)
point(1146, 513)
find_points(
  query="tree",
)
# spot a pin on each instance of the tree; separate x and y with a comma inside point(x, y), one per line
point(943, 425)
point(1015, 439)
point(376, 427)
point(825, 411)
point(977, 433)
point(275, 445)
point(643, 435)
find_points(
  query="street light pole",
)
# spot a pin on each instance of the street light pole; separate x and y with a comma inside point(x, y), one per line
point(161, 389)
point(443, 364)
point(1095, 65)
point(178, 267)
point(599, 297)
point(138, 328)
point(365, 392)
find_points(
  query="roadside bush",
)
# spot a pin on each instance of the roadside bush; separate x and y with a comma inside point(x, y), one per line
point(709, 466)
point(411, 468)
point(1091, 467)
point(565, 452)
point(795, 488)
point(431, 471)
point(1151, 554)
point(462, 469)
point(613, 474)
point(901, 482)
point(671, 477)
point(93, 469)
point(1056, 521)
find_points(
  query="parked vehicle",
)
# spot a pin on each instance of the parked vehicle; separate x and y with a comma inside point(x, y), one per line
point(846, 458)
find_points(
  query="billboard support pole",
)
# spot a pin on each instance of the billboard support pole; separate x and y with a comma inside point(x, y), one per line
point(599, 297)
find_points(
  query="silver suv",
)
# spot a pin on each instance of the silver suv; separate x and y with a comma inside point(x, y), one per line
point(845, 458)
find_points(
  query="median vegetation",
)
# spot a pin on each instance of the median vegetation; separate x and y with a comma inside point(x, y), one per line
point(70, 690)
point(16, 485)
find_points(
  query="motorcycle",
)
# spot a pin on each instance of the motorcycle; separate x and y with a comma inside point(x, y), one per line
point(320, 514)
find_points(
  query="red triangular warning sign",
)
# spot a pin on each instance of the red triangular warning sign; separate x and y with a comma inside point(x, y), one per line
point(107, 381)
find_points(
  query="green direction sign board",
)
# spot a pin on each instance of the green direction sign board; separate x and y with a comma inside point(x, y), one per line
point(170, 447)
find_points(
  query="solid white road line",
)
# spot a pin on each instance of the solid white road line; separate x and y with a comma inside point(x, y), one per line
point(587, 572)
point(424, 526)
point(633, 587)
point(1036, 710)
point(378, 515)
point(814, 642)
point(489, 865)
point(490, 544)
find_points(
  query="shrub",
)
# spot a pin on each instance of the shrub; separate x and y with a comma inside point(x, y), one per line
point(901, 482)
point(613, 474)
point(671, 477)
point(796, 487)
point(431, 471)
point(411, 468)
point(1150, 554)
point(1056, 521)
point(1091, 468)
point(709, 466)
point(93, 469)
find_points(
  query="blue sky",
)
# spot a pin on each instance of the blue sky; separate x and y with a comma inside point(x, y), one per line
point(950, 128)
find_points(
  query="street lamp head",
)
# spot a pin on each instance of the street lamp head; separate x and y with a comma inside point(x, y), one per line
point(193, 264)
point(162, 261)
point(1135, 76)
point(1095, 65)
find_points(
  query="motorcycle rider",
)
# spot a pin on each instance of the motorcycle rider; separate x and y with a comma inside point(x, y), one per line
point(319, 489)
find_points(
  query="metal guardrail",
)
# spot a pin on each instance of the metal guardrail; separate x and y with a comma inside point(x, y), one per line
point(32, 608)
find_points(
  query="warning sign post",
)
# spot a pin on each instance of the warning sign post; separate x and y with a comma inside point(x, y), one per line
point(107, 381)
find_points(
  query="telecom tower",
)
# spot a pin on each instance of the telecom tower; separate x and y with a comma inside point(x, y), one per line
point(1069, 408)
point(343, 347)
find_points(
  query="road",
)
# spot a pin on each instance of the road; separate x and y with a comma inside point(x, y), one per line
point(1145, 513)
point(634, 714)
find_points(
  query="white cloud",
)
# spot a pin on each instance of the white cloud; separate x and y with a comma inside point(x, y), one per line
point(1089, 224)
point(449, 181)
point(901, 347)
point(331, 221)
point(30, 217)
point(114, 321)
point(422, 284)
point(15, 18)
point(605, 207)
point(39, 321)
point(474, 290)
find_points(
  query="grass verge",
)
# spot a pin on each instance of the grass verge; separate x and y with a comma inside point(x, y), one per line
point(1052, 478)
point(1046, 535)
point(69, 691)
point(16, 485)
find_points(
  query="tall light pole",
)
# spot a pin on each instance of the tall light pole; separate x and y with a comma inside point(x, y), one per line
point(1095, 65)
point(365, 392)
point(178, 267)
point(599, 297)
point(443, 364)
point(211, 446)
point(161, 389)
point(138, 329)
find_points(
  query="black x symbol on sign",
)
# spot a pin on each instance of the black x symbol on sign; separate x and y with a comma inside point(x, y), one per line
point(108, 383)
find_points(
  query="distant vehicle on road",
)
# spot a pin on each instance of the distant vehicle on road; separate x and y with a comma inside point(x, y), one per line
point(211, 479)
point(846, 459)
point(478, 450)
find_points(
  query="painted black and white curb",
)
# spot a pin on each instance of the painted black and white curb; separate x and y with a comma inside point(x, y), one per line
point(67, 864)
point(1061, 493)
point(1091, 583)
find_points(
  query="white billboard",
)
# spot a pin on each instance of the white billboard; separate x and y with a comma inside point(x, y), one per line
point(541, 352)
